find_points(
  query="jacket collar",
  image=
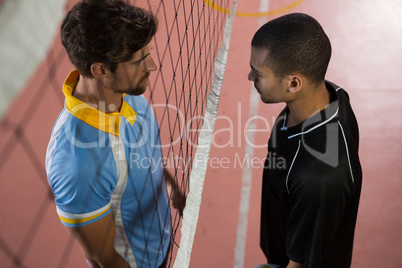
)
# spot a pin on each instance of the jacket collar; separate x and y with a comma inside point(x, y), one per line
point(316, 121)
point(107, 122)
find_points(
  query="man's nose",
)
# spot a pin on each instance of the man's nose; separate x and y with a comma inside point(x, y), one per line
point(150, 64)
point(251, 76)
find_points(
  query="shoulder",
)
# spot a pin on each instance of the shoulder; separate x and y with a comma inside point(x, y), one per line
point(144, 111)
point(145, 122)
point(138, 103)
point(324, 175)
point(82, 176)
point(74, 143)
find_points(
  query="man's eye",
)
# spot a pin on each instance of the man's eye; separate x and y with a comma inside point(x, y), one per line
point(137, 61)
point(141, 60)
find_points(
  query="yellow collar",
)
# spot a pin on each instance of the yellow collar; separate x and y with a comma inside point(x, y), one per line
point(109, 123)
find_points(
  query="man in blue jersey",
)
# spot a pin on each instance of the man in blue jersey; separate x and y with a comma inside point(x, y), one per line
point(104, 159)
point(309, 204)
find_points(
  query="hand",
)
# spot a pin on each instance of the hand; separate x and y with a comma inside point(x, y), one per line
point(177, 198)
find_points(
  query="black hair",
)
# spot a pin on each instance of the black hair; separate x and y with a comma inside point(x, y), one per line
point(106, 31)
point(296, 43)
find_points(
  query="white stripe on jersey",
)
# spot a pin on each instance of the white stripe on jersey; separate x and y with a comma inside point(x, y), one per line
point(121, 243)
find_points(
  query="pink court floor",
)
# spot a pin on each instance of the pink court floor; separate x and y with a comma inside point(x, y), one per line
point(366, 37)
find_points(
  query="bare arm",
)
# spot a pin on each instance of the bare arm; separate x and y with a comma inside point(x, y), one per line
point(97, 243)
point(293, 264)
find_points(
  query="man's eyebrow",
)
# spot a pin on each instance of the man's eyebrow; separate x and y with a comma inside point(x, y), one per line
point(143, 58)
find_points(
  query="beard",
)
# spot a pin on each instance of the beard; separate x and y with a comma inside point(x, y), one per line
point(136, 90)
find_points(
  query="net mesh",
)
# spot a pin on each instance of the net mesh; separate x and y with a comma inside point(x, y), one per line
point(184, 49)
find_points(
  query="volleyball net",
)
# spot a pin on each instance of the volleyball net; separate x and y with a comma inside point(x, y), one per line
point(190, 50)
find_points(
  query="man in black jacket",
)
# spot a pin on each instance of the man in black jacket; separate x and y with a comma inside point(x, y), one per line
point(309, 205)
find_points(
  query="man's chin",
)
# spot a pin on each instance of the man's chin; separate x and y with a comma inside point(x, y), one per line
point(264, 100)
point(136, 91)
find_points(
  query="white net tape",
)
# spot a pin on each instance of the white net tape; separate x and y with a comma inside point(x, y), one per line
point(200, 162)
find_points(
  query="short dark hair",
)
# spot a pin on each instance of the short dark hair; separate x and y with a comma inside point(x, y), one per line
point(295, 43)
point(106, 31)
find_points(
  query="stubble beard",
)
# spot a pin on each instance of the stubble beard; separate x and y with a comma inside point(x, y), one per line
point(138, 89)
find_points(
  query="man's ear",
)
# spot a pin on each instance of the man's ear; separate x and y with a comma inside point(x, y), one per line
point(295, 83)
point(98, 70)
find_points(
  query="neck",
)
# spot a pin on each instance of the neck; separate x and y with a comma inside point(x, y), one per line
point(95, 94)
point(309, 101)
